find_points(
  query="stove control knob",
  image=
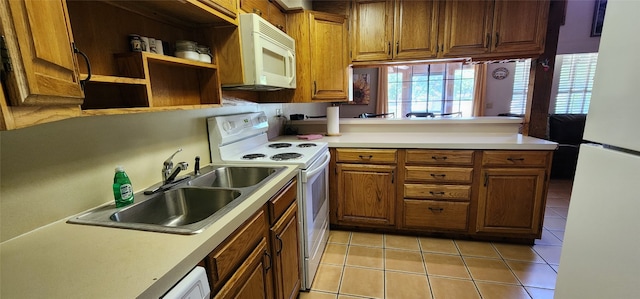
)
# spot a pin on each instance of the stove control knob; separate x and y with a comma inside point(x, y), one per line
point(228, 126)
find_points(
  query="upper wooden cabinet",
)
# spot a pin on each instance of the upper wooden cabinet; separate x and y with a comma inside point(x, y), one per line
point(42, 76)
point(227, 7)
point(410, 30)
point(384, 30)
point(266, 9)
point(44, 80)
point(494, 28)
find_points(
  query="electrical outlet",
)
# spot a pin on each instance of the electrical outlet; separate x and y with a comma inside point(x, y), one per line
point(278, 112)
point(489, 105)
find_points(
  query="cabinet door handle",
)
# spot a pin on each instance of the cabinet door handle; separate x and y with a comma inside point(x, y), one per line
point(397, 47)
point(389, 50)
point(281, 245)
point(365, 157)
point(315, 88)
point(486, 179)
point(488, 40)
point(497, 38)
point(393, 176)
point(439, 158)
point(515, 159)
point(435, 175)
point(86, 59)
point(257, 11)
point(436, 210)
point(268, 256)
point(438, 193)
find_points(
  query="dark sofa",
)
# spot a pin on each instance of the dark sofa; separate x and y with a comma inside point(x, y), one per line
point(566, 130)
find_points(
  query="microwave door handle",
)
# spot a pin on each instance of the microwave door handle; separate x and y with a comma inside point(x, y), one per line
point(290, 70)
point(318, 169)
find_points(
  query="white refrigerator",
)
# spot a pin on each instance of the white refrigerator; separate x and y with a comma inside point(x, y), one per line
point(601, 249)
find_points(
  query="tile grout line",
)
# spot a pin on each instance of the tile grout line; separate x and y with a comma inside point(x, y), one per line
point(424, 266)
point(464, 262)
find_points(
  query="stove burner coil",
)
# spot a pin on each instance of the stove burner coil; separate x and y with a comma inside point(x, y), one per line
point(286, 156)
point(280, 145)
point(253, 156)
point(307, 145)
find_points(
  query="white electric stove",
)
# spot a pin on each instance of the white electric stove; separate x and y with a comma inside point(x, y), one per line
point(242, 138)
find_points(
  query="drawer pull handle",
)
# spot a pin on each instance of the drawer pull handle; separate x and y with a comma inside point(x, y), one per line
point(439, 193)
point(365, 157)
point(435, 175)
point(279, 250)
point(439, 158)
point(268, 258)
point(436, 210)
point(515, 159)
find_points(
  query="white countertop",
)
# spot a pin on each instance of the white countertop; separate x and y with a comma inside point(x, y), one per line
point(64, 260)
point(436, 141)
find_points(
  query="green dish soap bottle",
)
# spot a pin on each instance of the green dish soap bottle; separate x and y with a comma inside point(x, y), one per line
point(122, 189)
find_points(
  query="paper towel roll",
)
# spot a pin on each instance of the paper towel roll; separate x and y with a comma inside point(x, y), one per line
point(333, 120)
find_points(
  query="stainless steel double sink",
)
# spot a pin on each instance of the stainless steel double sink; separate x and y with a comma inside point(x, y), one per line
point(188, 207)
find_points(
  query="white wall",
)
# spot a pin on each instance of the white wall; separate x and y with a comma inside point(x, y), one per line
point(55, 170)
point(499, 92)
point(575, 35)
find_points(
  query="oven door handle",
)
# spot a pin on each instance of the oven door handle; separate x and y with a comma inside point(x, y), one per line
point(312, 172)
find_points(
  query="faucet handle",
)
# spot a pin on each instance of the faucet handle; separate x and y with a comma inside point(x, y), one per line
point(168, 161)
point(196, 167)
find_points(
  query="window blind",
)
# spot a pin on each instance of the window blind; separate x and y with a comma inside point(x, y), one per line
point(575, 82)
point(520, 87)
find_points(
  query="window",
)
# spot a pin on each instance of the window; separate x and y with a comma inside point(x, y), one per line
point(520, 87)
point(574, 82)
point(442, 89)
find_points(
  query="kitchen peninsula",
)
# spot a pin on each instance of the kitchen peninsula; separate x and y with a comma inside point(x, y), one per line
point(474, 178)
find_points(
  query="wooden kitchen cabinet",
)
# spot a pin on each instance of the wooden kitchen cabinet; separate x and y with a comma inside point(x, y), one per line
point(44, 84)
point(234, 253)
point(494, 28)
point(513, 192)
point(42, 74)
point(251, 280)
point(366, 193)
point(283, 211)
point(266, 9)
point(437, 189)
point(388, 30)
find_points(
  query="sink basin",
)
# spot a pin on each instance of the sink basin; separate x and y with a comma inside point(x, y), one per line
point(186, 207)
point(234, 176)
point(177, 207)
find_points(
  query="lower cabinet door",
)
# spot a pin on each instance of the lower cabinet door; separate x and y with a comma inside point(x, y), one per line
point(286, 254)
point(511, 201)
point(366, 194)
point(253, 279)
point(434, 214)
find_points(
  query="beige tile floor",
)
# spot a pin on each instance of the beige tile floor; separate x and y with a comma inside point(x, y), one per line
point(368, 265)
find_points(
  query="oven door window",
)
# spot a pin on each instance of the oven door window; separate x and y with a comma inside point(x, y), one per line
point(318, 192)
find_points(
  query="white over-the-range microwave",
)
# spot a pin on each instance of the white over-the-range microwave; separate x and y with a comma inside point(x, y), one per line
point(269, 56)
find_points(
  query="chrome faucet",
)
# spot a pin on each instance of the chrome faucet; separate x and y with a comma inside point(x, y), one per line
point(168, 172)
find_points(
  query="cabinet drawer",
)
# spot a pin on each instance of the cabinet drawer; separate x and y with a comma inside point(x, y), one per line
point(438, 174)
point(445, 192)
point(440, 157)
point(436, 214)
point(515, 158)
point(237, 247)
point(366, 155)
point(278, 205)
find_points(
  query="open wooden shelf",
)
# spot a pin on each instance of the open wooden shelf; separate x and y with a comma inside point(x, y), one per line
point(188, 13)
point(115, 79)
